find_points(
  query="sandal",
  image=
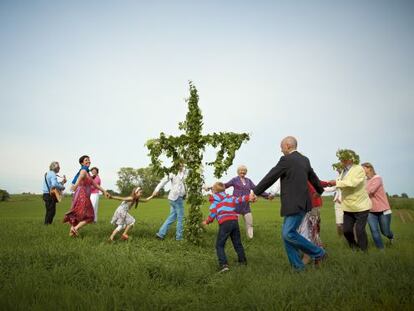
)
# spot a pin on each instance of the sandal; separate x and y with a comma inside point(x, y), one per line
point(124, 237)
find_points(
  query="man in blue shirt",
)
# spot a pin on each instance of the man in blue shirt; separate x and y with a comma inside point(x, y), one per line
point(50, 181)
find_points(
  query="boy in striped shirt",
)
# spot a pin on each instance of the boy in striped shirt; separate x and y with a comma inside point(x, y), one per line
point(222, 208)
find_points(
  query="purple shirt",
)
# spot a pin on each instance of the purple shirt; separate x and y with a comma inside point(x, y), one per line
point(240, 189)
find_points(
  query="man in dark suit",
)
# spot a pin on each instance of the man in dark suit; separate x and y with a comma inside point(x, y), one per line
point(294, 170)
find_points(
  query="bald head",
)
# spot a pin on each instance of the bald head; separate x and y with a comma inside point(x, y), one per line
point(288, 144)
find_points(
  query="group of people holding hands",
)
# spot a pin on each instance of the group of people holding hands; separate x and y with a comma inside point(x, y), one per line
point(359, 198)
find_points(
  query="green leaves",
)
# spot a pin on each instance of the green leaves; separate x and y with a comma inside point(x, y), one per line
point(190, 147)
point(345, 154)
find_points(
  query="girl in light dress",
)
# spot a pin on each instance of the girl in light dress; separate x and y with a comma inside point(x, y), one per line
point(121, 218)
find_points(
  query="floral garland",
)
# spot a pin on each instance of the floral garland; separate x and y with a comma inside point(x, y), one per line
point(343, 155)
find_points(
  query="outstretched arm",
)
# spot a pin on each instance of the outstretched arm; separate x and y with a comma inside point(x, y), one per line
point(116, 197)
point(271, 177)
point(161, 185)
point(212, 215)
point(314, 180)
point(229, 184)
point(146, 199)
point(97, 186)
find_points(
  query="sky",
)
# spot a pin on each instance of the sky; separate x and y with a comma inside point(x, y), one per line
point(102, 77)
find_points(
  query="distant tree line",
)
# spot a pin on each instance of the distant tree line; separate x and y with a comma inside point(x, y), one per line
point(403, 195)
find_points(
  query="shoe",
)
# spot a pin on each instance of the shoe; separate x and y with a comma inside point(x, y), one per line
point(392, 241)
point(124, 237)
point(159, 237)
point(318, 261)
point(224, 268)
point(242, 263)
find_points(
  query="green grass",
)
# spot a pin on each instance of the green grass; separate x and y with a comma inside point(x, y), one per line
point(41, 268)
point(401, 203)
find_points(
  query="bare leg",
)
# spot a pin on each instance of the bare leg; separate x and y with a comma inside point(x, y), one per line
point(127, 229)
point(112, 237)
point(80, 225)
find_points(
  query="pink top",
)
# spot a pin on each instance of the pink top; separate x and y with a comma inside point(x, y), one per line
point(376, 192)
point(97, 180)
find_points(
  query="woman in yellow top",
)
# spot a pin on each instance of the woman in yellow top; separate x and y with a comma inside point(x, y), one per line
point(355, 200)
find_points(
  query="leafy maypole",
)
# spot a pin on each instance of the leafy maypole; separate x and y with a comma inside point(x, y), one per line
point(189, 148)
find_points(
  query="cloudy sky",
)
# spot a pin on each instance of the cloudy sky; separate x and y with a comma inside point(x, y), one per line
point(102, 77)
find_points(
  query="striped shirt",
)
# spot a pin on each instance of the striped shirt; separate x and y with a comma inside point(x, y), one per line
point(223, 207)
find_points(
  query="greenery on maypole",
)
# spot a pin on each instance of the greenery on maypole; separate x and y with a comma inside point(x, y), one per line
point(189, 148)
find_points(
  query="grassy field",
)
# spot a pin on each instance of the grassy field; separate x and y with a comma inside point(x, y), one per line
point(41, 268)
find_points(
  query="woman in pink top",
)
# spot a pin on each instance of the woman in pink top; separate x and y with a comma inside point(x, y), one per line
point(95, 192)
point(379, 218)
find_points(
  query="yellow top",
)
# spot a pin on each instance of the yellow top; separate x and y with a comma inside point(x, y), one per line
point(354, 195)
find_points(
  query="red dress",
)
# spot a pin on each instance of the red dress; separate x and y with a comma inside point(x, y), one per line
point(81, 209)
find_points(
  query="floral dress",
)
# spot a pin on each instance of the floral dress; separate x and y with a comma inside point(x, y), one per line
point(121, 216)
point(81, 209)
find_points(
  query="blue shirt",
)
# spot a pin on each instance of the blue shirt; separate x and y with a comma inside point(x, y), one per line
point(52, 182)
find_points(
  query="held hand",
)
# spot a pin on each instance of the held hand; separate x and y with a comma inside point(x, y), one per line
point(270, 197)
point(64, 180)
point(332, 183)
point(107, 195)
point(147, 199)
point(154, 194)
point(252, 197)
point(316, 195)
point(206, 188)
point(204, 223)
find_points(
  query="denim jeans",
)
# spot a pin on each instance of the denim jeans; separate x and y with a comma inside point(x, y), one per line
point(229, 229)
point(176, 213)
point(357, 220)
point(294, 242)
point(380, 222)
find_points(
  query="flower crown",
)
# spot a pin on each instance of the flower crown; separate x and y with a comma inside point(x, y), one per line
point(345, 154)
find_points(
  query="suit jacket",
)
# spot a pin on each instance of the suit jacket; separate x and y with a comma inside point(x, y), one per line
point(354, 195)
point(294, 171)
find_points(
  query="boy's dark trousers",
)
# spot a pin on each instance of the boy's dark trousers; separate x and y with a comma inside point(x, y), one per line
point(50, 205)
point(226, 229)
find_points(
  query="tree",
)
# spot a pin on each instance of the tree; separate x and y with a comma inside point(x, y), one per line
point(190, 147)
point(404, 195)
point(146, 177)
point(149, 179)
point(4, 195)
point(128, 178)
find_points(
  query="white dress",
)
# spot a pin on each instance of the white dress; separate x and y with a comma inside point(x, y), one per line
point(121, 216)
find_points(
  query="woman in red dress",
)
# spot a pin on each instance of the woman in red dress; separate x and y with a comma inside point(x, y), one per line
point(81, 212)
